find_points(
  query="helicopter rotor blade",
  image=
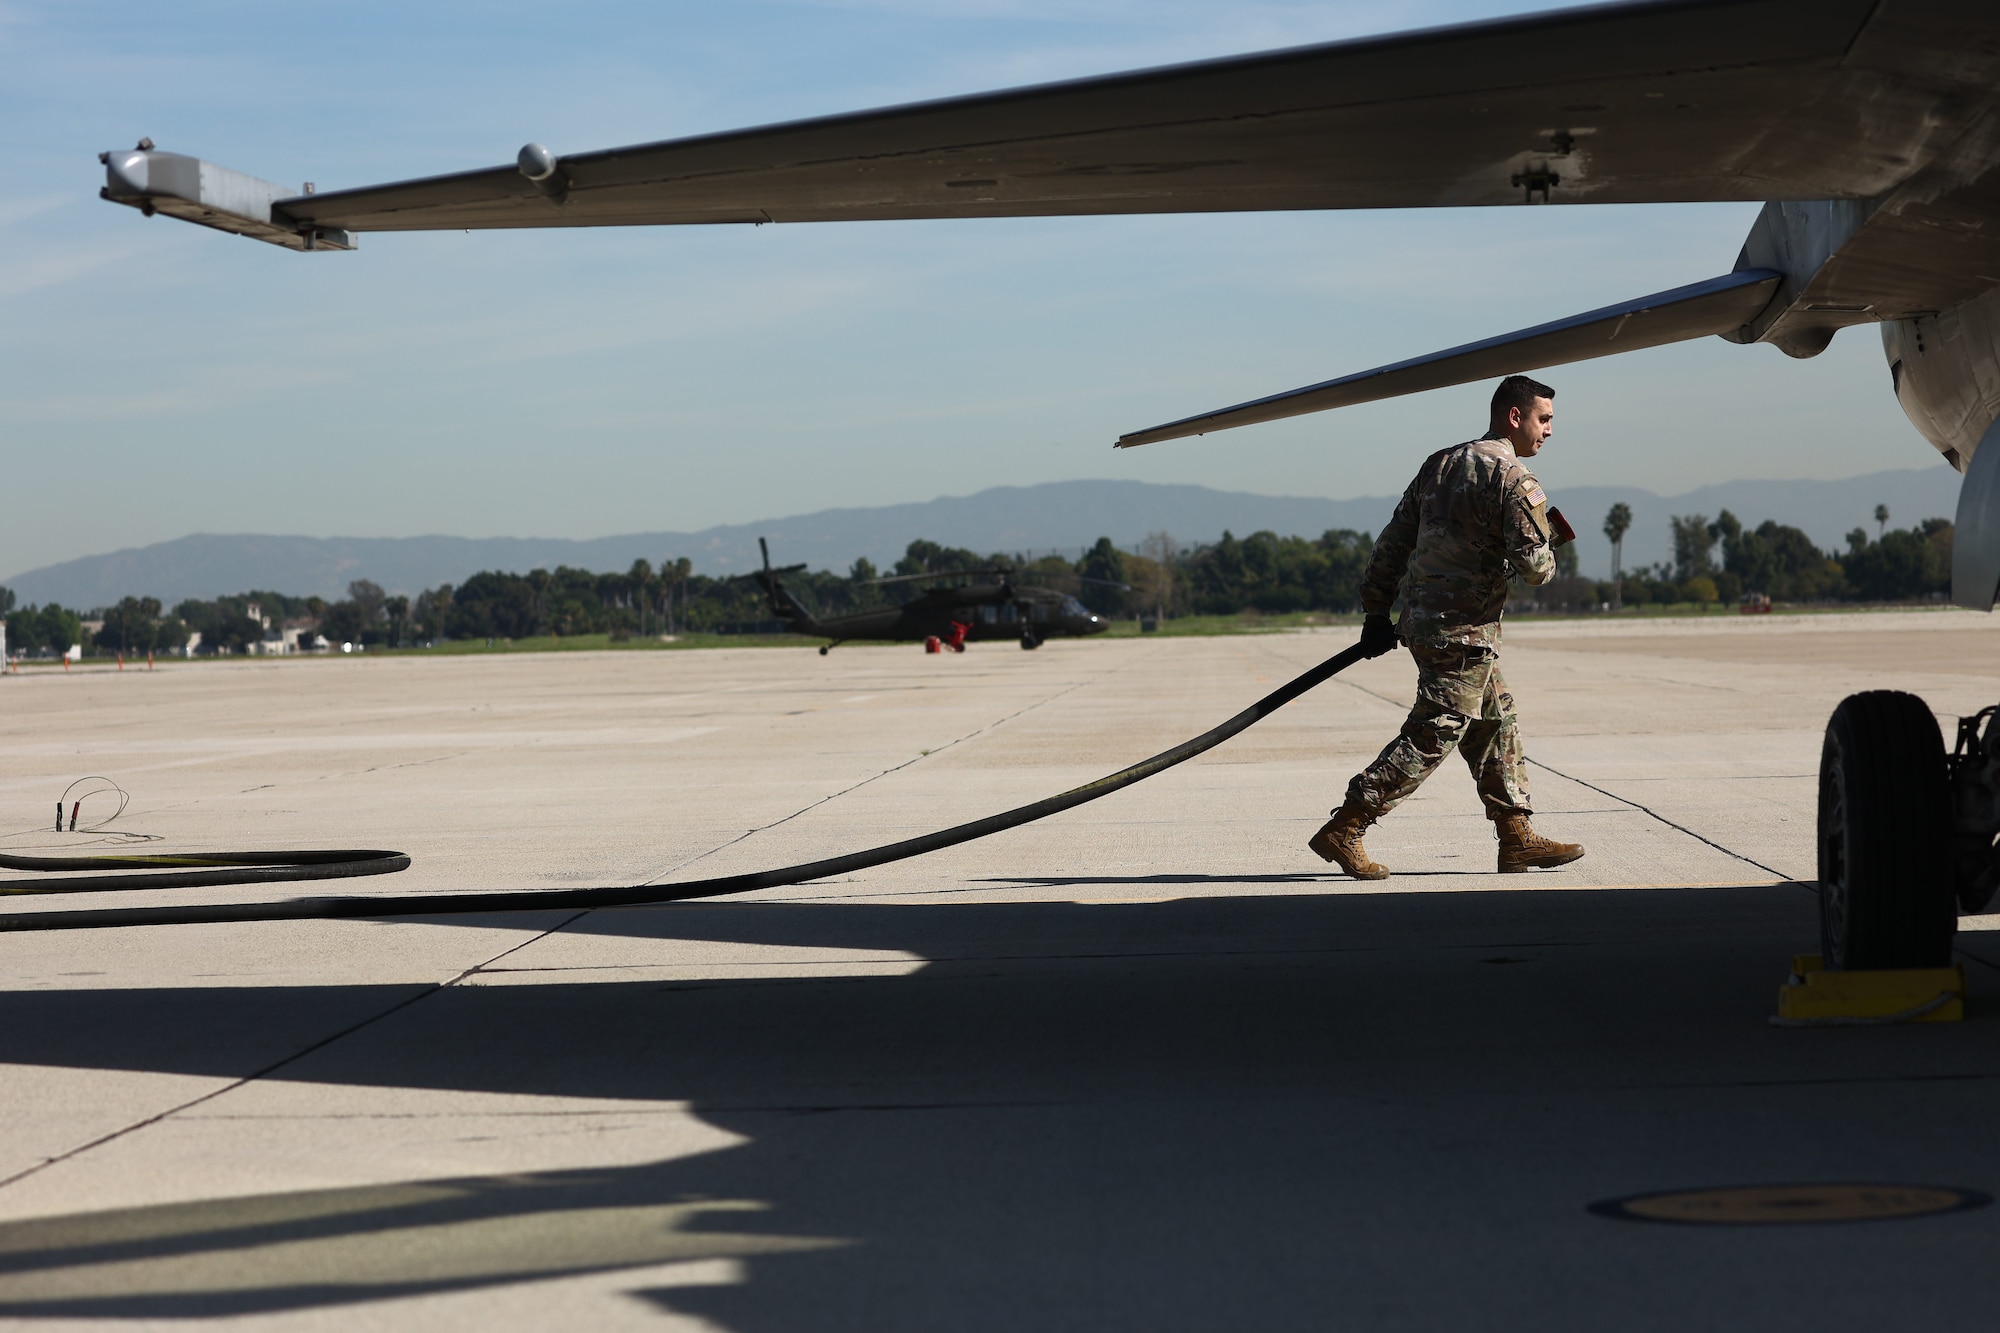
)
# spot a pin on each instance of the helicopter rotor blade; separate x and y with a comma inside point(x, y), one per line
point(1065, 574)
point(761, 575)
point(767, 573)
point(947, 574)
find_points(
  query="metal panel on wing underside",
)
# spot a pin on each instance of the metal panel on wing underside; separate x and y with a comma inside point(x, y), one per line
point(1657, 102)
point(1720, 305)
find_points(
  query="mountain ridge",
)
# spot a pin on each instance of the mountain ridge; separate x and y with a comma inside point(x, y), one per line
point(1052, 515)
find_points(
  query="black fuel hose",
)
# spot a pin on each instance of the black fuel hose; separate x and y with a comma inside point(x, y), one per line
point(179, 872)
point(318, 865)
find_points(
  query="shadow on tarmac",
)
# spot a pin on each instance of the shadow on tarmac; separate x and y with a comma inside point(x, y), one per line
point(1297, 1111)
point(1332, 880)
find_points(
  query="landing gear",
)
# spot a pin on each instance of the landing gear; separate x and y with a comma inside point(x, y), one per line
point(1886, 896)
point(1975, 797)
point(1030, 639)
point(824, 649)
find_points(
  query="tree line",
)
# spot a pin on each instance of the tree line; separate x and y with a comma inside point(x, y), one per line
point(1263, 570)
point(1725, 560)
point(1719, 560)
point(139, 625)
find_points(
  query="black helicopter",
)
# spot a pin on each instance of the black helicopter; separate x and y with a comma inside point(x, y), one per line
point(949, 615)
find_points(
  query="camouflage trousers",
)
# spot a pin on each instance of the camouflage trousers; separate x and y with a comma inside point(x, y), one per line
point(1462, 702)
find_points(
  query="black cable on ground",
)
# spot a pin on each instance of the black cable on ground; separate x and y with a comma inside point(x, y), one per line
point(317, 865)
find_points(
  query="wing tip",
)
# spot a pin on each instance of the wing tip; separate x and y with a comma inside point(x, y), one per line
point(1173, 430)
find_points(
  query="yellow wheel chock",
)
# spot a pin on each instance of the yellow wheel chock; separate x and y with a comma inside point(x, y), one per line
point(1815, 997)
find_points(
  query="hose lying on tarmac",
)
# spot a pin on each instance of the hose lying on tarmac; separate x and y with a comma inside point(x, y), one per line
point(254, 867)
point(230, 868)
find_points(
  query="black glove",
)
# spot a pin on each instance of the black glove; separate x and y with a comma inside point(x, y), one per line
point(1378, 635)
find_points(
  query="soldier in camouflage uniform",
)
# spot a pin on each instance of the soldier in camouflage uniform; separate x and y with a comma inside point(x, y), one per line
point(1473, 516)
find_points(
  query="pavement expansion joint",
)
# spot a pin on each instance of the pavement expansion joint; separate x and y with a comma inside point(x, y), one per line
point(231, 1086)
point(1647, 810)
point(974, 734)
point(265, 1072)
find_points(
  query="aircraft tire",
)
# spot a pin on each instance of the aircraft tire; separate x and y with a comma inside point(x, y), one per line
point(1030, 641)
point(1886, 896)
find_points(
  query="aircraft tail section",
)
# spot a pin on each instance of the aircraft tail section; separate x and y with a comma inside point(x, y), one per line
point(784, 605)
point(1719, 305)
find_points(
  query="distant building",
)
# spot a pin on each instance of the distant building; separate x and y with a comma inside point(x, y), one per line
point(300, 635)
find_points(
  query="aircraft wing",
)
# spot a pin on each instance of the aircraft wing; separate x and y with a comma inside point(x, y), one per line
point(1661, 101)
point(1720, 305)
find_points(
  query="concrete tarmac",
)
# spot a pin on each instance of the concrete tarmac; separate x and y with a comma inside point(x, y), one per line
point(1143, 1065)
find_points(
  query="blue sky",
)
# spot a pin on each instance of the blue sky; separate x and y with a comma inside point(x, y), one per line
point(158, 379)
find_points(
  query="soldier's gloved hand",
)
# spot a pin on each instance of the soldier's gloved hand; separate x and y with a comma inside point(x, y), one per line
point(1560, 532)
point(1378, 635)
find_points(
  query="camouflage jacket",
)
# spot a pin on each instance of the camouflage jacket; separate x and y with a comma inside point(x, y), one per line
point(1473, 516)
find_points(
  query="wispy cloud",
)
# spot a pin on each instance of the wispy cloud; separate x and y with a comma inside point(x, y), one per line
point(56, 265)
point(1097, 36)
point(16, 211)
point(203, 392)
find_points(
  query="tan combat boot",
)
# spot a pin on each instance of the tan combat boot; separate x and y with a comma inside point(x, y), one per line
point(1339, 840)
point(1521, 848)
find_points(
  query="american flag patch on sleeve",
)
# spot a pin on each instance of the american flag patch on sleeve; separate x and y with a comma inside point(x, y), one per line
point(1532, 493)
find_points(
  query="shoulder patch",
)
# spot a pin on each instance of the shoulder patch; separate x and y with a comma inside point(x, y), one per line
point(1532, 493)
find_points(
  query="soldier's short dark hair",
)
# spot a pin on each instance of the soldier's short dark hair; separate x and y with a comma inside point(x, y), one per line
point(1519, 391)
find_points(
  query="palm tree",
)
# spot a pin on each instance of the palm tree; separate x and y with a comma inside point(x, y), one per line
point(1881, 520)
point(539, 581)
point(1616, 524)
point(673, 578)
point(642, 584)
